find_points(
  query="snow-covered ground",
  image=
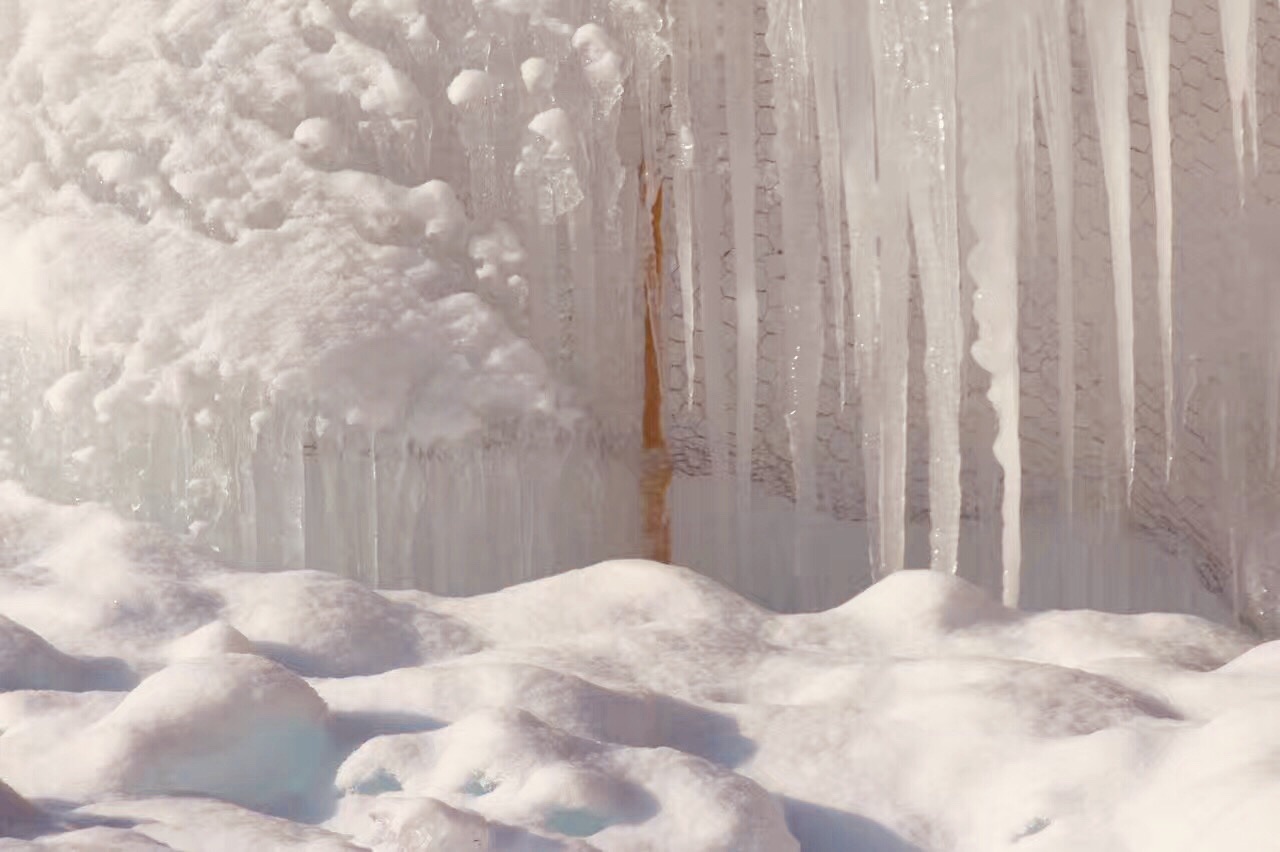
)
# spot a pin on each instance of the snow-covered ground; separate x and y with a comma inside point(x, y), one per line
point(157, 699)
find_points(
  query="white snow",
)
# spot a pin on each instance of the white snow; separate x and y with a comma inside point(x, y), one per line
point(538, 75)
point(470, 85)
point(628, 705)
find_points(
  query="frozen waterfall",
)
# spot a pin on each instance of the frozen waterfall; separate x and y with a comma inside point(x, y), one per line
point(453, 294)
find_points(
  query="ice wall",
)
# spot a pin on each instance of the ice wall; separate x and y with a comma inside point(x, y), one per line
point(362, 285)
point(1200, 505)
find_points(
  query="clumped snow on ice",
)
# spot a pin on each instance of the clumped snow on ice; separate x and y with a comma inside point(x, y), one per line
point(216, 210)
point(273, 272)
point(156, 699)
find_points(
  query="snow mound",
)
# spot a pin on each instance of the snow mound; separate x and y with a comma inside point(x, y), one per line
point(626, 594)
point(925, 612)
point(392, 823)
point(206, 825)
point(321, 625)
point(29, 662)
point(442, 694)
point(214, 639)
point(89, 582)
point(91, 840)
point(509, 766)
point(236, 727)
point(1262, 659)
point(1221, 781)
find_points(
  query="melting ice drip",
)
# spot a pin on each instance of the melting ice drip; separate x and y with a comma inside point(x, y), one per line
point(360, 285)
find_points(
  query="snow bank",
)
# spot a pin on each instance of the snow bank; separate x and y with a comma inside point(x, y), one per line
point(625, 705)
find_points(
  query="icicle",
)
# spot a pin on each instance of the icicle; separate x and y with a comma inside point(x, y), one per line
point(1105, 29)
point(894, 288)
point(822, 40)
point(739, 53)
point(1240, 49)
point(989, 101)
point(1273, 393)
point(1028, 152)
point(930, 102)
point(709, 214)
point(680, 12)
point(374, 522)
point(587, 286)
point(855, 88)
point(1153, 37)
point(1052, 47)
point(803, 326)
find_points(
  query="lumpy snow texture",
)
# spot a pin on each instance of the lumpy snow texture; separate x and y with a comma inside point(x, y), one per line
point(158, 700)
point(260, 285)
point(220, 173)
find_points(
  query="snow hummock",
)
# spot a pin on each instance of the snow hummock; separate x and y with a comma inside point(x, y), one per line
point(154, 698)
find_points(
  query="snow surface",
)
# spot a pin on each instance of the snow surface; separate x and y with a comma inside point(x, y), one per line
point(156, 699)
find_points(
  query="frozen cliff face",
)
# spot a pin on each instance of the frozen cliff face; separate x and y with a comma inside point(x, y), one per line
point(364, 286)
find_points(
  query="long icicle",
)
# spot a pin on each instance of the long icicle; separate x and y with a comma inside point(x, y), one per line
point(739, 53)
point(893, 315)
point(709, 225)
point(682, 181)
point(1240, 50)
point(1153, 38)
point(989, 104)
point(803, 326)
point(931, 115)
point(1105, 22)
point(1052, 45)
point(855, 86)
point(824, 46)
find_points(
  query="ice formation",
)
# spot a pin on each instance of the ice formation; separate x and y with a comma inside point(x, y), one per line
point(361, 286)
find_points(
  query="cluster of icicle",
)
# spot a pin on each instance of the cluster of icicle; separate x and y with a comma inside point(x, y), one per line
point(912, 113)
point(896, 120)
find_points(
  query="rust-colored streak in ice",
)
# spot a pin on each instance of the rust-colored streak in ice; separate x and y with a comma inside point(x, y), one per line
point(656, 477)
